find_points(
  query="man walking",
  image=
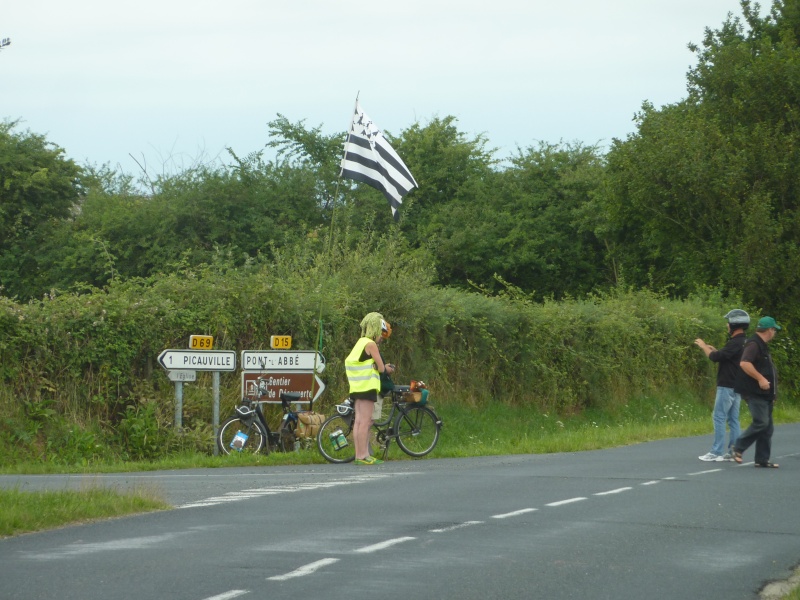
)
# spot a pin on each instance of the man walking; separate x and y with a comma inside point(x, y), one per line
point(757, 382)
point(726, 404)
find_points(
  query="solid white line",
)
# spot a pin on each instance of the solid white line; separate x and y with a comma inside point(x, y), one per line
point(616, 491)
point(229, 595)
point(454, 527)
point(305, 570)
point(562, 502)
point(515, 513)
point(383, 545)
point(704, 472)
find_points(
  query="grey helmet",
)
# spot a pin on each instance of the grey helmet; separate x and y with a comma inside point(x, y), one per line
point(738, 317)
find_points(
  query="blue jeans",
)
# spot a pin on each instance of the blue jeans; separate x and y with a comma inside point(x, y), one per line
point(726, 408)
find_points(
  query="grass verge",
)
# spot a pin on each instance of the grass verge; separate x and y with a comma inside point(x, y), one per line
point(24, 512)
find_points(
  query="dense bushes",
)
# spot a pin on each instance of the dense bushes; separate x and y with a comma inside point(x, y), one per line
point(80, 371)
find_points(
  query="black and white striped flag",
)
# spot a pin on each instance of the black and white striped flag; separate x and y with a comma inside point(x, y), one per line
point(370, 159)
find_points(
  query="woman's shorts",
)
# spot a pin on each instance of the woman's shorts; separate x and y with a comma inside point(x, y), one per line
point(371, 395)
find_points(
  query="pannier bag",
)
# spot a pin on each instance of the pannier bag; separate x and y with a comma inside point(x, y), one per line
point(308, 423)
point(417, 393)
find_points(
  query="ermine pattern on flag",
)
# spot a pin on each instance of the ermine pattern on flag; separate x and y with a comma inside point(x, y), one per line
point(370, 159)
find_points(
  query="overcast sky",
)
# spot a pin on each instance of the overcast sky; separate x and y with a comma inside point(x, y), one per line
point(178, 80)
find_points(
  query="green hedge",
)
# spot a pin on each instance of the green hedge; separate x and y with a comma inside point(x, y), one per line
point(87, 362)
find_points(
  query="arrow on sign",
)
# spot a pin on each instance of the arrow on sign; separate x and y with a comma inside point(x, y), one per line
point(290, 381)
point(198, 360)
point(282, 360)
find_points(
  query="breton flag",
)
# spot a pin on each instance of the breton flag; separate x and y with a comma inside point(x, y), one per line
point(370, 159)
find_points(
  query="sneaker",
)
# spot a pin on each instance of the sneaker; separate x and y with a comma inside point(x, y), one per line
point(710, 457)
point(370, 460)
point(728, 456)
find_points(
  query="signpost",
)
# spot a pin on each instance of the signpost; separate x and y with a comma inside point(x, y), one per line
point(289, 381)
point(198, 360)
point(182, 375)
point(182, 365)
point(281, 360)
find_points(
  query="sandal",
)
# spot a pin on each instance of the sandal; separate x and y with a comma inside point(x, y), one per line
point(767, 465)
point(737, 456)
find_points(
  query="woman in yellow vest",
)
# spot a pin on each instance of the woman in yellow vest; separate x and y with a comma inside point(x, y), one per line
point(364, 366)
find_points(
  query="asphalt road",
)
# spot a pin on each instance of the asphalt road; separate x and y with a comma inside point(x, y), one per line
point(644, 521)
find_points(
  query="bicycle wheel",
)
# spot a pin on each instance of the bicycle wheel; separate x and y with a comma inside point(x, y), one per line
point(417, 430)
point(335, 439)
point(255, 442)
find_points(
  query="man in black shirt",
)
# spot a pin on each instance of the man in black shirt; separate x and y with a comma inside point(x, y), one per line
point(727, 401)
point(757, 382)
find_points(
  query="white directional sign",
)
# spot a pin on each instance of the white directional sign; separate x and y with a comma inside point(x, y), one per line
point(198, 360)
point(282, 360)
point(182, 375)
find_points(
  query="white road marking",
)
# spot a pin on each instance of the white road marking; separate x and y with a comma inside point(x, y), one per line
point(616, 491)
point(454, 527)
point(563, 502)
point(383, 545)
point(229, 595)
point(305, 570)
point(653, 482)
point(704, 472)
point(281, 489)
point(515, 513)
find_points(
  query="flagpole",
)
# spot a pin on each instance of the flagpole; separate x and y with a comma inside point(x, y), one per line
point(318, 341)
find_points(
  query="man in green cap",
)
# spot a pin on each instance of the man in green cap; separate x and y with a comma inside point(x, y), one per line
point(757, 382)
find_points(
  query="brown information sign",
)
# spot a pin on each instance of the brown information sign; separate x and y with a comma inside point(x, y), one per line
point(293, 381)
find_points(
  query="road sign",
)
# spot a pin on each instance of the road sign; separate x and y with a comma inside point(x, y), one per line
point(280, 342)
point(182, 375)
point(201, 342)
point(280, 360)
point(198, 360)
point(290, 381)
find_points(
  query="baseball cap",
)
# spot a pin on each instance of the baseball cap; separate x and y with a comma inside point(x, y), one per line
point(768, 323)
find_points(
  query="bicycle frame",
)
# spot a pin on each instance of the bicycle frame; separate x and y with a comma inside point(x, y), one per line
point(414, 426)
point(388, 429)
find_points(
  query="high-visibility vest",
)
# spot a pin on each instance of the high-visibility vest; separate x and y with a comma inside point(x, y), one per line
point(361, 374)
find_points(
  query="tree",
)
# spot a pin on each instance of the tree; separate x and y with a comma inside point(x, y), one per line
point(706, 191)
point(38, 188)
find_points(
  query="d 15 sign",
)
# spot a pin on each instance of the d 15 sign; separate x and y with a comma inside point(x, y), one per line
point(291, 381)
point(198, 360)
point(278, 360)
point(280, 342)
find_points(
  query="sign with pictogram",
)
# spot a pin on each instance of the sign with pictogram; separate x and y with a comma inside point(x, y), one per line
point(290, 381)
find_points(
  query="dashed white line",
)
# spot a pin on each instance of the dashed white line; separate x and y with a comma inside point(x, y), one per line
point(515, 513)
point(454, 527)
point(304, 570)
point(616, 491)
point(563, 502)
point(704, 472)
point(382, 545)
point(229, 595)
point(283, 489)
point(653, 482)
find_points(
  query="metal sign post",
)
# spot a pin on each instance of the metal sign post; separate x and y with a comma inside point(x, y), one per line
point(182, 365)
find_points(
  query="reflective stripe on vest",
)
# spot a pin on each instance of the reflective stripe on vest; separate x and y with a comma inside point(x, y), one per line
point(361, 375)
